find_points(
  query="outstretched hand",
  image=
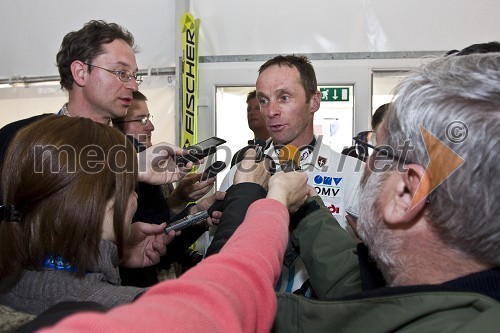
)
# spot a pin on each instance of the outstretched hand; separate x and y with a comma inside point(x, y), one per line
point(249, 170)
point(289, 188)
point(145, 245)
point(189, 189)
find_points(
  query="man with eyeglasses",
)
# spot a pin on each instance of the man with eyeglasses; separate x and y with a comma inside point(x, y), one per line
point(98, 69)
point(159, 203)
point(360, 151)
point(138, 124)
point(138, 121)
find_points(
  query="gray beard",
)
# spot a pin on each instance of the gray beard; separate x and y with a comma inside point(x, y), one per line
point(383, 245)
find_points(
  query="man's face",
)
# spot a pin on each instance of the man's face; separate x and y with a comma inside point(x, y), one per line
point(254, 117)
point(288, 116)
point(142, 133)
point(104, 93)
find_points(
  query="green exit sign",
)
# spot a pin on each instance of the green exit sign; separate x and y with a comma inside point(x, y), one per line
point(334, 94)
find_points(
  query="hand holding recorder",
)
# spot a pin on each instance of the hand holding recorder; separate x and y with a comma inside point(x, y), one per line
point(207, 210)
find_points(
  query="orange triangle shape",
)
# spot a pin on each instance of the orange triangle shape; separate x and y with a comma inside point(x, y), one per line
point(443, 161)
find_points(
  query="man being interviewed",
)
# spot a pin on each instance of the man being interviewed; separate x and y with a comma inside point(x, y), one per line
point(288, 96)
point(438, 256)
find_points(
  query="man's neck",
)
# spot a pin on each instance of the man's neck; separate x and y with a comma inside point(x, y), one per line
point(433, 263)
point(299, 143)
point(75, 109)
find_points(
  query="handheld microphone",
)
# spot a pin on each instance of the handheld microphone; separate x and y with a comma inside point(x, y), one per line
point(194, 218)
point(260, 147)
point(289, 157)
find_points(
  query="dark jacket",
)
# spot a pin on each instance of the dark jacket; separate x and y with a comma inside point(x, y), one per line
point(466, 304)
point(238, 198)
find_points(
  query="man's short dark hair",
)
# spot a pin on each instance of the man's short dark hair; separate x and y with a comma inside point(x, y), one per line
point(303, 65)
point(378, 115)
point(86, 44)
point(251, 95)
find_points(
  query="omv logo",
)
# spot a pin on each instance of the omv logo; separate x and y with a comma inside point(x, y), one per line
point(326, 180)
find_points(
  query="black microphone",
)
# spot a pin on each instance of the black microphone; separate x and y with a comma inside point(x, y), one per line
point(213, 170)
point(259, 146)
point(194, 218)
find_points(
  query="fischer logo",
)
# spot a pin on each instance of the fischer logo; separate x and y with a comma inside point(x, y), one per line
point(329, 186)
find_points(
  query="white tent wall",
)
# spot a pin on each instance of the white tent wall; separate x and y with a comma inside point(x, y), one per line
point(31, 34)
point(236, 38)
point(32, 31)
point(231, 27)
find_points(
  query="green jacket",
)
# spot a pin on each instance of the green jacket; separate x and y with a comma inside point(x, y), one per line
point(329, 254)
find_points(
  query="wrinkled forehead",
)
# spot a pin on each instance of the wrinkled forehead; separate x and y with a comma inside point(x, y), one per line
point(278, 73)
point(118, 52)
point(278, 79)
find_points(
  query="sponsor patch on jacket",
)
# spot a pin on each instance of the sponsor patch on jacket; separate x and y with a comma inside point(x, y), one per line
point(322, 161)
point(327, 186)
point(326, 180)
point(334, 209)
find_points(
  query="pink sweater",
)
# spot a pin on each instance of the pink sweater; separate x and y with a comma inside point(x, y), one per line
point(232, 291)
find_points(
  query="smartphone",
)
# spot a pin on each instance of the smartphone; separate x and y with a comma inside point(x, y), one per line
point(201, 149)
point(205, 147)
point(213, 170)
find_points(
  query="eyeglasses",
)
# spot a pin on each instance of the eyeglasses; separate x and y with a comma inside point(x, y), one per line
point(363, 150)
point(362, 147)
point(143, 120)
point(124, 76)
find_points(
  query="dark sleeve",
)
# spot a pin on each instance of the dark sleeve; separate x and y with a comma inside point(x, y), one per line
point(151, 204)
point(238, 198)
point(329, 254)
point(175, 250)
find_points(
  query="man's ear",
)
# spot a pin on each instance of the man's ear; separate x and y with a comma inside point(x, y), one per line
point(403, 189)
point(315, 101)
point(79, 72)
